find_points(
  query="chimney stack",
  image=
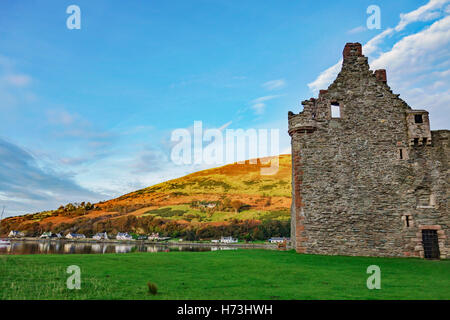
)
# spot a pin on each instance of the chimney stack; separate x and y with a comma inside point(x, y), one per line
point(352, 49)
point(381, 75)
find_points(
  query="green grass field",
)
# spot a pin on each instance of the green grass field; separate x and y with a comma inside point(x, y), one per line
point(237, 274)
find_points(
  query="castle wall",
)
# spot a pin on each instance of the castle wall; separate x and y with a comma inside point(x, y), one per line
point(359, 177)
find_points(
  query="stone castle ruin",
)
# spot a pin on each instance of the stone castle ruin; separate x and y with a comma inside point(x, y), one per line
point(369, 177)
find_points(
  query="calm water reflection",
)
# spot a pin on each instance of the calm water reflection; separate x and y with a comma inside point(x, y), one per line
point(62, 247)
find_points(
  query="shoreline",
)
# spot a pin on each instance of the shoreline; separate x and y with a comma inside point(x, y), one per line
point(148, 242)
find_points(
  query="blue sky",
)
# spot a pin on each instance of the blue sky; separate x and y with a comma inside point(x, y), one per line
point(87, 114)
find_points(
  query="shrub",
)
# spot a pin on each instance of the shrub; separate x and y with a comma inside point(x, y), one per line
point(152, 288)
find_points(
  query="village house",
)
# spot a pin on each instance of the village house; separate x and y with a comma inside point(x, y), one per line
point(46, 235)
point(101, 236)
point(16, 234)
point(228, 240)
point(278, 240)
point(154, 236)
point(157, 237)
point(369, 177)
point(75, 236)
point(123, 236)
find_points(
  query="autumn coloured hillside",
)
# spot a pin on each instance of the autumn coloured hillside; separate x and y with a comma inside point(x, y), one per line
point(225, 200)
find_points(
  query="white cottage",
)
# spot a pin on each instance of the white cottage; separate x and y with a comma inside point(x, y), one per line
point(123, 236)
point(278, 240)
point(101, 236)
point(228, 240)
point(75, 236)
point(16, 234)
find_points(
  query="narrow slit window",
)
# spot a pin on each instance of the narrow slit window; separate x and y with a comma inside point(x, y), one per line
point(407, 221)
point(335, 110)
point(400, 154)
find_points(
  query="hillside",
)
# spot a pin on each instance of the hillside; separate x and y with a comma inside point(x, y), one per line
point(231, 195)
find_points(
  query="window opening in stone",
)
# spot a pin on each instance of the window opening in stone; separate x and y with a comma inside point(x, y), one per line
point(418, 118)
point(400, 154)
point(335, 110)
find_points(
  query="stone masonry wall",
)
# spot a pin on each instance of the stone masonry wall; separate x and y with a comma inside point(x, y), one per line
point(363, 184)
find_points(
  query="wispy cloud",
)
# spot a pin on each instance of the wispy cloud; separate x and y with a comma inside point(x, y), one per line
point(274, 84)
point(18, 80)
point(259, 104)
point(150, 160)
point(357, 30)
point(26, 186)
point(14, 85)
point(430, 11)
point(61, 117)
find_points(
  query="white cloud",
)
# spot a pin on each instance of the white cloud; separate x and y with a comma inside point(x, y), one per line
point(27, 186)
point(226, 125)
point(419, 51)
point(274, 84)
point(357, 30)
point(427, 12)
point(13, 85)
point(18, 80)
point(258, 104)
point(325, 77)
point(61, 117)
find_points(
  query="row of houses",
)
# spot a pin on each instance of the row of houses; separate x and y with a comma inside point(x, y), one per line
point(232, 240)
point(98, 236)
point(225, 240)
point(126, 236)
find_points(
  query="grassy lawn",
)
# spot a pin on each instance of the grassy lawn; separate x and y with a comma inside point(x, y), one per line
point(237, 274)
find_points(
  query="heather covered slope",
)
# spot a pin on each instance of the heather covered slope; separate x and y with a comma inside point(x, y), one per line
point(223, 196)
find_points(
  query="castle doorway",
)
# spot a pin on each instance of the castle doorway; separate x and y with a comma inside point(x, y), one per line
point(430, 244)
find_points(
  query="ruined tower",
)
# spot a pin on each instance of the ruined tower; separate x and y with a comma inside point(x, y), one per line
point(368, 176)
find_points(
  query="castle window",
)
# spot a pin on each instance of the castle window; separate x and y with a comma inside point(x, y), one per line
point(418, 118)
point(425, 199)
point(335, 110)
point(407, 221)
point(402, 154)
point(416, 141)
